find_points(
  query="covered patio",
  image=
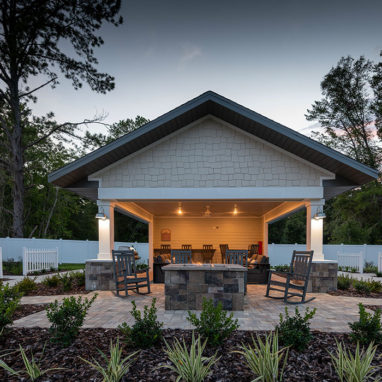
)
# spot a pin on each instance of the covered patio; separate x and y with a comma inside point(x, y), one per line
point(207, 173)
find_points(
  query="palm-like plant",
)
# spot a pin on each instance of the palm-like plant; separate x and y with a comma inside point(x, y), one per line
point(357, 367)
point(190, 366)
point(116, 366)
point(265, 358)
point(32, 368)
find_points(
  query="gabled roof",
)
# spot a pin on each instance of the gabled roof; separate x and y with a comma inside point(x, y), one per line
point(348, 170)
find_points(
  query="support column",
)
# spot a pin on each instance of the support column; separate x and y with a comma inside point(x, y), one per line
point(105, 229)
point(315, 228)
point(151, 248)
point(265, 237)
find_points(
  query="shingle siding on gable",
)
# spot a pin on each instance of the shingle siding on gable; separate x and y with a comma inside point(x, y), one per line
point(210, 154)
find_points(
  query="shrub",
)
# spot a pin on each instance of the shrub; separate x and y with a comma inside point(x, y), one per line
point(9, 301)
point(67, 318)
point(12, 267)
point(369, 267)
point(26, 285)
point(344, 282)
point(368, 329)
point(115, 366)
point(378, 274)
point(146, 330)
point(357, 367)
point(190, 366)
point(214, 325)
point(375, 286)
point(52, 281)
point(265, 358)
point(66, 282)
point(31, 367)
point(78, 278)
point(282, 268)
point(362, 286)
point(294, 331)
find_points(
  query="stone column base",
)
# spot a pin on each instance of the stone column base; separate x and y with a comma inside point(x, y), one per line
point(99, 274)
point(323, 276)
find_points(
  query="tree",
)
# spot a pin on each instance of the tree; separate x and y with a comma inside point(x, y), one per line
point(348, 109)
point(93, 141)
point(32, 37)
point(351, 114)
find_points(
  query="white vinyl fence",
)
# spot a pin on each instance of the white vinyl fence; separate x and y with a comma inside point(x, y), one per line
point(282, 253)
point(78, 251)
point(69, 251)
point(39, 259)
point(1, 263)
point(351, 260)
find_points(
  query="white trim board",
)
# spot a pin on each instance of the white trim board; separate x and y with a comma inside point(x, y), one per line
point(211, 193)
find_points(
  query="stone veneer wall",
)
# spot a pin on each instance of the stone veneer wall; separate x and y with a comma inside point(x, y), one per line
point(187, 285)
point(323, 276)
point(99, 275)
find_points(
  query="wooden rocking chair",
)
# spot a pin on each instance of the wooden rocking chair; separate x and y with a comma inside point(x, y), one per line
point(126, 274)
point(296, 279)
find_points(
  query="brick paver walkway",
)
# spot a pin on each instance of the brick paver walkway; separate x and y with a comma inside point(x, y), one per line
point(260, 313)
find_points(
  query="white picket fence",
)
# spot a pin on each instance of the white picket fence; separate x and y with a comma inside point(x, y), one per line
point(1, 263)
point(351, 260)
point(39, 259)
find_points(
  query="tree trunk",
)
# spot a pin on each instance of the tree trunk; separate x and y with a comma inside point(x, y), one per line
point(17, 162)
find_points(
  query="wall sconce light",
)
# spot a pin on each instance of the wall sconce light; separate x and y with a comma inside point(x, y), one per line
point(235, 210)
point(180, 211)
point(100, 214)
point(319, 215)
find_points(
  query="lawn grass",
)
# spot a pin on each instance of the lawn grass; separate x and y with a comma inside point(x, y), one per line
point(70, 266)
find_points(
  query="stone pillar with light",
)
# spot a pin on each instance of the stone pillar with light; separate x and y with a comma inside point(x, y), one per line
point(105, 217)
point(314, 227)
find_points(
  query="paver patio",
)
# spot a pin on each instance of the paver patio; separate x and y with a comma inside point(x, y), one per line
point(260, 313)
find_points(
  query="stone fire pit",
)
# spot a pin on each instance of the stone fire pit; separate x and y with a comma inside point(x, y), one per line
point(187, 284)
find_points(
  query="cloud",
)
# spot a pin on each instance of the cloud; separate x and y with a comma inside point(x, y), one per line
point(189, 53)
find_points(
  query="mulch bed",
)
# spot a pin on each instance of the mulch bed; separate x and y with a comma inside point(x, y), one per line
point(311, 365)
point(44, 290)
point(27, 309)
point(354, 293)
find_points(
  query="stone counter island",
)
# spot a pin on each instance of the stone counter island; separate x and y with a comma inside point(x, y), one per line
point(187, 284)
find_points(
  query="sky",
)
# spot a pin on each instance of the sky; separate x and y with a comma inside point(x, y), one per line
point(269, 56)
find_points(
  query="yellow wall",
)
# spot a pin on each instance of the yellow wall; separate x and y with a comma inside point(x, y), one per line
point(237, 232)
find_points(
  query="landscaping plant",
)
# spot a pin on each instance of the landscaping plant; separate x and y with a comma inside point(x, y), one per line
point(189, 365)
point(115, 366)
point(32, 368)
point(368, 329)
point(344, 282)
point(66, 282)
point(214, 325)
point(362, 286)
point(26, 285)
point(369, 267)
point(357, 367)
point(67, 318)
point(294, 331)
point(265, 359)
point(52, 281)
point(281, 268)
point(146, 330)
point(78, 278)
point(9, 301)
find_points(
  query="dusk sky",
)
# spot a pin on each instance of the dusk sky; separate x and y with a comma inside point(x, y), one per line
point(269, 56)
